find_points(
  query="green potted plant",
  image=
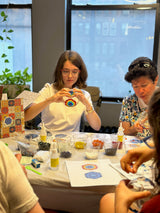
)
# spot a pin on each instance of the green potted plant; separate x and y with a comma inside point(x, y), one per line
point(13, 82)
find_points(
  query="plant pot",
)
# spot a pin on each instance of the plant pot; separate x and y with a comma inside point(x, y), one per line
point(14, 90)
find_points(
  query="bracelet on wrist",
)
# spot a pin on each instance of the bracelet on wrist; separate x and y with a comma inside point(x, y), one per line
point(89, 111)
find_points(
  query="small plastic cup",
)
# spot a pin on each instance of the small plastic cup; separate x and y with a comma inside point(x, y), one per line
point(141, 184)
point(130, 144)
point(98, 141)
point(91, 153)
point(64, 145)
point(80, 141)
point(111, 145)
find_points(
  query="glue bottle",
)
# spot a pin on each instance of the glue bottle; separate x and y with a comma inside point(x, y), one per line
point(43, 133)
point(120, 135)
point(54, 157)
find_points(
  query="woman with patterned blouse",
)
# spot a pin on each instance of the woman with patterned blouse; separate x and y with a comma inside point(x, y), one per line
point(142, 74)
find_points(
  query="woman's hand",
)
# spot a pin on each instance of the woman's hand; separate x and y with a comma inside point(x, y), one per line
point(58, 97)
point(131, 161)
point(138, 127)
point(140, 124)
point(124, 197)
point(81, 97)
point(19, 156)
point(92, 117)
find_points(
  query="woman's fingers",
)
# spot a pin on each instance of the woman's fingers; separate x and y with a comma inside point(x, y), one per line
point(18, 156)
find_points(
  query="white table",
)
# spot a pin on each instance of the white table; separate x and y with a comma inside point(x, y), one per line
point(54, 190)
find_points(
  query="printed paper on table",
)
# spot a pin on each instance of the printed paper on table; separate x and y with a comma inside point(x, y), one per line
point(92, 173)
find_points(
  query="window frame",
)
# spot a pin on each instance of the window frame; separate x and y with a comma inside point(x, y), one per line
point(14, 6)
point(155, 6)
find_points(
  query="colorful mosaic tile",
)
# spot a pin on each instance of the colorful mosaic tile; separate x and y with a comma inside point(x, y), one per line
point(11, 117)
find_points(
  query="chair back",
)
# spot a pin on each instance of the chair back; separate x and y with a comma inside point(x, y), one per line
point(95, 96)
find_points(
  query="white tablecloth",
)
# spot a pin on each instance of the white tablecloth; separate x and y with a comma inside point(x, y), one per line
point(54, 189)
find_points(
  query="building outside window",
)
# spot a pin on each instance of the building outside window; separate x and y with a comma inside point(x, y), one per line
point(109, 37)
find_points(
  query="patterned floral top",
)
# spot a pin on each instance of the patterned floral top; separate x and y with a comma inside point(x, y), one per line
point(131, 111)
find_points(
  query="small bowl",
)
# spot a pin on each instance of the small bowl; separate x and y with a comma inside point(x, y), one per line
point(80, 144)
point(110, 151)
point(91, 154)
point(44, 146)
point(98, 141)
point(80, 141)
point(27, 149)
point(110, 147)
point(65, 154)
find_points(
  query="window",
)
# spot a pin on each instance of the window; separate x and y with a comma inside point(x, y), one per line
point(109, 37)
point(19, 20)
point(112, 2)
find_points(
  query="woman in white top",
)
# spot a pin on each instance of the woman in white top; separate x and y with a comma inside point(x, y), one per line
point(70, 77)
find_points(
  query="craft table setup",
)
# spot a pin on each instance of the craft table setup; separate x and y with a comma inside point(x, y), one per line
point(79, 183)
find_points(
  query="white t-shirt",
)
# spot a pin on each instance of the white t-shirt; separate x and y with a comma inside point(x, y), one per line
point(16, 193)
point(58, 116)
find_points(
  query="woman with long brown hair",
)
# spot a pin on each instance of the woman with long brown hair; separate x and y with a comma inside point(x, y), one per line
point(70, 77)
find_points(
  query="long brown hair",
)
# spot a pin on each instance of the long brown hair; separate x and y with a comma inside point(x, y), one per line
point(154, 120)
point(76, 60)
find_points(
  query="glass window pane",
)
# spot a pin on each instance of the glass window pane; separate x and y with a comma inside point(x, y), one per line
point(16, 1)
point(112, 2)
point(108, 41)
point(20, 57)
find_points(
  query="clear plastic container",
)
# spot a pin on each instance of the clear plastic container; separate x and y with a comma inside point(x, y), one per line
point(80, 141)
point(141, 184)
point(64, 145)
point(98, 141)
point(131, 144)
point(111, 145)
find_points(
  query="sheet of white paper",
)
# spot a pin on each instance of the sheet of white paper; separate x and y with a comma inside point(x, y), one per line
point(92, 173)
point(28, 97)
point(144, 170)
point(26, 160)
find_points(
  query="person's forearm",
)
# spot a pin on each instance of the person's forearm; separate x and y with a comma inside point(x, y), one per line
point(94, 120)
point(120, 208)
point(35, 109)
point(36, 209)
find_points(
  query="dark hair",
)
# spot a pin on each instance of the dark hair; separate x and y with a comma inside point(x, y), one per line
point(154, 121)
point(76, 60)
point(141, 66)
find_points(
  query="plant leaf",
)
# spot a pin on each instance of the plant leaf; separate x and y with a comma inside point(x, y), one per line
point(10, 47)
point(10, 31)
point(1, 38)
point(3, 14)
point(3, 55)
point(8, 38)
point(6, 61)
